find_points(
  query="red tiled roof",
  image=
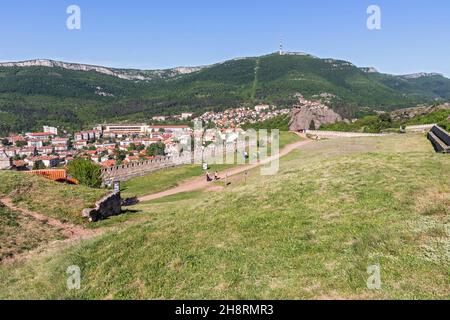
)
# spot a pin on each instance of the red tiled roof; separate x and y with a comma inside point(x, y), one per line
point(108, 163)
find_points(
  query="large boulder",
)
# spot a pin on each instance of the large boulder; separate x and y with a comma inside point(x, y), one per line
point(311, 117)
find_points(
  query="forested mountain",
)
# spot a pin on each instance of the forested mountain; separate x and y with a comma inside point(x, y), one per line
point(75, 96)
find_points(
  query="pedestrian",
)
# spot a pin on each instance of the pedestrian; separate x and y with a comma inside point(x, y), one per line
point(208, 177)
point(216, 176)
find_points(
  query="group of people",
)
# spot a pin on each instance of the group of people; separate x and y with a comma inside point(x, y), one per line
point(210, 178)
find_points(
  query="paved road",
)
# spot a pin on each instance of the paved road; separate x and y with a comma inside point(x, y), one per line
point(201, 183)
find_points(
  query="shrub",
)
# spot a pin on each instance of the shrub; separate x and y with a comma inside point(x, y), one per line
point(86, 172)
point(156, 149)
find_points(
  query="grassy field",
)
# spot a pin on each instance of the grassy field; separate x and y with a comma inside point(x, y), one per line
point(162, 180)
point(335, 208)
point(53, 199)
point(20, 233)
point(165, 179)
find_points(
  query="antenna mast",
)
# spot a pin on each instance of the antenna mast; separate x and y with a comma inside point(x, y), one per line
point(281, 46)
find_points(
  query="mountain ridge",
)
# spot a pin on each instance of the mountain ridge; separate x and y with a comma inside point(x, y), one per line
point(134, 73)
point(127, 74)
point(75, 96)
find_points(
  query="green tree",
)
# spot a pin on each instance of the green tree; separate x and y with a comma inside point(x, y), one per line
point(131, 147)
point(39, 165)
point(140, 147)
point(156, 149)
point(86, 172)
point(20, 144)
point(5, 142)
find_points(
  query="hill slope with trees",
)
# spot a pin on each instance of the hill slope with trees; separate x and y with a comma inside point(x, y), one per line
point(74, 99)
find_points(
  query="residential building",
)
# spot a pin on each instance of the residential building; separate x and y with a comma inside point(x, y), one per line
point(35, 143)
point(186, 115)
point(5, 161)
point(51, 130)
point(170, 128)
point(126, 129)
point(44, 136)
point(87, 135)
point(48, 161)
point(262, 107)
point(159, 118)
point(45, 150)
point(60, 141)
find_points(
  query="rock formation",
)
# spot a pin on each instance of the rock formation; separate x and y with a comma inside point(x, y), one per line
point(309, 115)
point(129, 74)
point(405, 114)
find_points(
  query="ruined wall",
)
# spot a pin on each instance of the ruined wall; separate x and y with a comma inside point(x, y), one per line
point(132, 170)
point(110, 205)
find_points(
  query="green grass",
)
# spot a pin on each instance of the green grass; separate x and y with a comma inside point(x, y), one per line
point(61, 201)
point(287, 138)
point(166, 179)
point(163, 180)
point(309, 232)
point(20, 233)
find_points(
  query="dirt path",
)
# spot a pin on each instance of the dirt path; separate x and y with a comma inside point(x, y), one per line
point(201, 183)
point(71, 231)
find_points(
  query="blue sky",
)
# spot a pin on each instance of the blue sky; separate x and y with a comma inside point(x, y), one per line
point(159, 34)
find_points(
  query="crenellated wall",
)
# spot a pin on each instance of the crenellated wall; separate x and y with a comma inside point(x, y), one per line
point(128, 171)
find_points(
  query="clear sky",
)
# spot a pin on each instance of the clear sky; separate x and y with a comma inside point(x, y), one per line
point(151, 34)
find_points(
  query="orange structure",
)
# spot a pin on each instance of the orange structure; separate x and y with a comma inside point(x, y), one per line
point(59, 175)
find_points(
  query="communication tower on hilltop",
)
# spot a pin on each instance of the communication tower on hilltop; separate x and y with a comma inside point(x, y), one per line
point(281, 47)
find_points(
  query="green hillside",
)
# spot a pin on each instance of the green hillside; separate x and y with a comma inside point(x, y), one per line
point(335, 208)
point(33, 96)
point(56, 200)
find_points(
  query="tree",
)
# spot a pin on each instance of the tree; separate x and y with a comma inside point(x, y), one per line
point(86, 172)
point(5, 142)
point(156, 149)
point(131, 147)
point(39, 165)
point(20, 144)
point(140, 147)
point(312, 125)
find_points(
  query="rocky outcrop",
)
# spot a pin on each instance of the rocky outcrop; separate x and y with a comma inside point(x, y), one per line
point(420, 75)
point(405, 114)
point(110, 205)
point(309, 115)
point(127, 74)
point(369, 70)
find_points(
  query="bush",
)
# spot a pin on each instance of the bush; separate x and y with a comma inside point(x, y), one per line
point(156, 149)
point(39, 165)
point(86, 172)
